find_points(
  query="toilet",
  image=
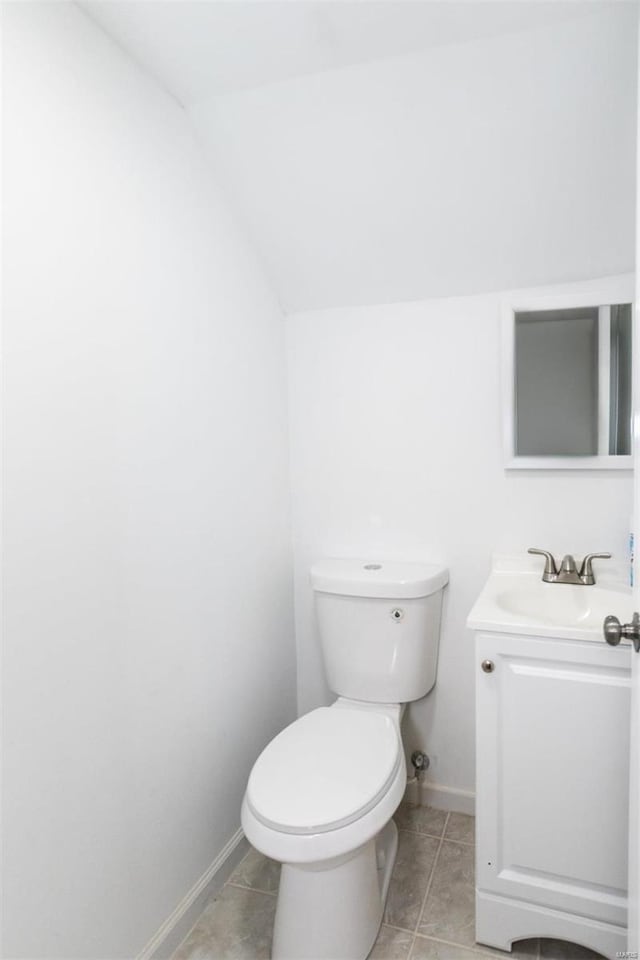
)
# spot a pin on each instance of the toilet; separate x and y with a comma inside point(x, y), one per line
point(321, 795)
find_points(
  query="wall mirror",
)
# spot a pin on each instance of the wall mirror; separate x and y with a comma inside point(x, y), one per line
point(567, 381)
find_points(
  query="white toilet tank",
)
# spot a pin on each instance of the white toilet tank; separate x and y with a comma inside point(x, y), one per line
point(379, 626)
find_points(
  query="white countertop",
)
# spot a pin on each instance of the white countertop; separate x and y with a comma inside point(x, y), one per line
point(515, 600)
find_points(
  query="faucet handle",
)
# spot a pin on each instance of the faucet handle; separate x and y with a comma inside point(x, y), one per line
point(550, 568)
point(586, 570)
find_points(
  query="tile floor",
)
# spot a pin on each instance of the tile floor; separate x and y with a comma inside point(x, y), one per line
point(429, 914)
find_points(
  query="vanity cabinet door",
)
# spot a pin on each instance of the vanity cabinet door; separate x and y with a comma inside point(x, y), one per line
point(552, 781)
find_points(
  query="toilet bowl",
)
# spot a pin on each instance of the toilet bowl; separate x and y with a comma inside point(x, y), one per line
point(321, 796)
point(320, 800)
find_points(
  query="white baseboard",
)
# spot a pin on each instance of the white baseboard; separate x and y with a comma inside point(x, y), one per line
point(431, 794)
point(175, 928)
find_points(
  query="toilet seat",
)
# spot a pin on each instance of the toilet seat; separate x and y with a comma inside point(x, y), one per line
point(325, 771)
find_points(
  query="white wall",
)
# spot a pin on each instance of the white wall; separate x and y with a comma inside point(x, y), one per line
point(148, 635)
point(397, 450)
point(498, 163)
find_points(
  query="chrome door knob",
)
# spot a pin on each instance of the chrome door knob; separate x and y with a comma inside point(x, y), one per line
point(614, 631)
point(488, 666)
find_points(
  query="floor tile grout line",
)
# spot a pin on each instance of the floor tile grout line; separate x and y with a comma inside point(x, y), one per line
point(451, 943)
point(238, 865)
point(477, 948)
point(413, 943)
point(436, 836)
point(445, 825)
point(429, 884)
point(243, 886)
point(462, 843)
point(394, 926)
point(420, 833)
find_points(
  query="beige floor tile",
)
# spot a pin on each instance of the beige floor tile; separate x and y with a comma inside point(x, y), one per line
point(238, 925)
point(449, 912)
point(426, 949)
point(416, 854)
point(258, 872)
point(391, 944)
point(420, 819)
point(561, 950)
point(462, 828)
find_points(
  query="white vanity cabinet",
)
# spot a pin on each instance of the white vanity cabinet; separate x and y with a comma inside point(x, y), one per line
point(552, 790)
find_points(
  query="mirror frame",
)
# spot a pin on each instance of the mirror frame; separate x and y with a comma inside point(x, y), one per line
point(603, 293)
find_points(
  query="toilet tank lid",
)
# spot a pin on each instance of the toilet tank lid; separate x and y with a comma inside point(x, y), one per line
point(391, 579)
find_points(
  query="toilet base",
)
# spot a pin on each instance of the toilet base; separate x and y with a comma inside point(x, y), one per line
point(332, 910)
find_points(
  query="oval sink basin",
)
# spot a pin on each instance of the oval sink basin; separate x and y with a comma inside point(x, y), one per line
point(563, 604)
point(515, 600)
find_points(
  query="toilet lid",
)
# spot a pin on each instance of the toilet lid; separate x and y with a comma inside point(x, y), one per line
point(325, 770)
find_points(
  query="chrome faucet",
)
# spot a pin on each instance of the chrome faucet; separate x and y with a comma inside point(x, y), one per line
point(568, 572)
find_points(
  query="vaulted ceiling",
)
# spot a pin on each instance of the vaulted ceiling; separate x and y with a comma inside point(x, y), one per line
point(382, 151)
point(202, 48)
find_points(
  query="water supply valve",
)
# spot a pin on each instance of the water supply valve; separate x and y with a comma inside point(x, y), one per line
point(420, 762)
